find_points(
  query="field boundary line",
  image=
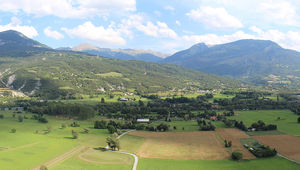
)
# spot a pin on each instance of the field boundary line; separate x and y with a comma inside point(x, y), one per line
point(21, 147)
point(280, 155)
point(61, 157)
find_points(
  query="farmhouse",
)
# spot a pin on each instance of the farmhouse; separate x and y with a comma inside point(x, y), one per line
point(142, 120)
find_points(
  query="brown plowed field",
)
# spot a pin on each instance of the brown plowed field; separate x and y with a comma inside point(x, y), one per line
point(181, 146)
point(286, 145)
point(235, 135)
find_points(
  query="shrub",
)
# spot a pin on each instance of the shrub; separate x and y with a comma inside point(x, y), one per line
point(298, 119)
point(86, 130)
point(13, 130)
point(162, 127)
point(140, 127)
point(75, 124)
point(102, 124)
point(74, 134)
point(150, 128)
point(20, 118)
point(13, 115)
point(1, 116)
point(43, 167)
point(42, 120)
point(63, 126)
point(236, 155)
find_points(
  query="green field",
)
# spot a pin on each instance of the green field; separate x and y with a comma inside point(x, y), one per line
point(287, 122)
point(30, 147)
point(275, 163)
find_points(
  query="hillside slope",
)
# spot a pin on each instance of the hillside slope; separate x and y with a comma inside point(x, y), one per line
point(54, 74)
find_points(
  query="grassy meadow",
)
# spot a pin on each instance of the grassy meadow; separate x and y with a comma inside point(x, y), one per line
point(286, 124)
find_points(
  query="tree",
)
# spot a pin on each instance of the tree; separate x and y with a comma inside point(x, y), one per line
point(111, 129)
point(298, 119)
point(113, 141)
point(13, 130)
point(102, 100)
point(20, 118)
point(236, 155)
point(1, 116)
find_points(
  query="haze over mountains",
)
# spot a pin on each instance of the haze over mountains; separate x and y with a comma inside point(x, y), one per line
point(123, 54)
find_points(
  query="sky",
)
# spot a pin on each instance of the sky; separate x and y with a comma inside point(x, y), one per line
point(161, 25)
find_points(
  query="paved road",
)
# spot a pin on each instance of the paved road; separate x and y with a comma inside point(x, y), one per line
point(136, 159)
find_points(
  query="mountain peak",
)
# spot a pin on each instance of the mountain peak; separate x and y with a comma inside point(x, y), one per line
point(16, 44)
point(84, 46)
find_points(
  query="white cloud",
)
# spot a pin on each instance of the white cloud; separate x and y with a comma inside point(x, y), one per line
point(15, 24)
point(214, 17)
point(256, 30)
point(67, 8)
point(178, 22)
point(289, 39)
point(97, 34)
point(279, 11)
point(138, 22)
point(170, 8)
point(53, 34)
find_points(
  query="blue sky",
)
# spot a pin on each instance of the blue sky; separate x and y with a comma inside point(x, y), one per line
point(160, 25)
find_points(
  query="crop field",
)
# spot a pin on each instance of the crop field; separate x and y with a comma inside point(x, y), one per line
point(286, 145)
point(287, 122)
point(181, 146)
point(235, 135)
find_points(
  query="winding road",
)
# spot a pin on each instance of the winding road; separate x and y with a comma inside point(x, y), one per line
point(136, 159)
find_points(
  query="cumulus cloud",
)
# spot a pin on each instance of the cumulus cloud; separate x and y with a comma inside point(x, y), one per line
point(53, 34)
point(15, 24)
point(289, 39)
point(279, 11)
point(214, 17)
point(178, 22)
point(67, 8)
point(138, 22)
point(97, 34)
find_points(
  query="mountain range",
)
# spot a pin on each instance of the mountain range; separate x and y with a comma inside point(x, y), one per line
point(40, 71)
point(257, 61)
point(122, 54)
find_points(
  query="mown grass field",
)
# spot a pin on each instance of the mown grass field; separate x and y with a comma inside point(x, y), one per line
point(275, 163)
point(287, 122)
point(30, 146)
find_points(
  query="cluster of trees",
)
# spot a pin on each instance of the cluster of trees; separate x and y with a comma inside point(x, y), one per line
point(263, 151)
point(79, 111)
point(157, 109)
point(240, 125)
point(261, 126)
point(205, 126)
point(227, 144)
point(40, 118)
